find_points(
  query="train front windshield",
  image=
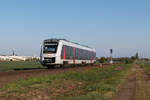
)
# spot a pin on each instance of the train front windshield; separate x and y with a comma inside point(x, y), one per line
point(50, 47)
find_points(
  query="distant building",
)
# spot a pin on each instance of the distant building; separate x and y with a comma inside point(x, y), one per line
point(17, 58)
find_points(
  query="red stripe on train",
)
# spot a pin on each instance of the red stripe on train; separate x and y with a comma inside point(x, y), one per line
point(64, 53)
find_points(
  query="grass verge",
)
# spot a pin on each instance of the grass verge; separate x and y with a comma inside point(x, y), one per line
point(18, 65)
point(145, 65)
point(142, 82)
point(91, 84)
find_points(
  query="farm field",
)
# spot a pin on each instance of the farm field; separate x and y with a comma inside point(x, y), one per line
point(19, 65)
point(93, 83)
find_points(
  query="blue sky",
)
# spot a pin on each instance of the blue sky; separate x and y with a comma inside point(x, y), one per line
point(123, 25)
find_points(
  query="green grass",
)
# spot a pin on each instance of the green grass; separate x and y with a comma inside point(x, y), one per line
point(91, 84)
point(142, 83)
point(8, 66)
point(145, 65)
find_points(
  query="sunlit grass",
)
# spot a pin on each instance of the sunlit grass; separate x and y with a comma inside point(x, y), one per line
point(96, 83)
point(10, 65)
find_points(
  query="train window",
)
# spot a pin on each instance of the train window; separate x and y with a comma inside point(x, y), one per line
point(91, 53)
point(84, 54)
point(67, 52)
point(87, 55)
point(76, 53)
point(71, 52)
point(50, 47)
point(80, 54)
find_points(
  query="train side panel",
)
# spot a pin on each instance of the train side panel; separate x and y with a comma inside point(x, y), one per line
point(73, 58)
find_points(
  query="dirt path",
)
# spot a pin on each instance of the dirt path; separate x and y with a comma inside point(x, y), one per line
point(136, 86)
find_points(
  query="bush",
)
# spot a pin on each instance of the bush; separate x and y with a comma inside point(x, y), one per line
point(102, 60)
point(129, 61)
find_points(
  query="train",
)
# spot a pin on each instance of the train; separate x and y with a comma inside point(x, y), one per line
point(60, 52)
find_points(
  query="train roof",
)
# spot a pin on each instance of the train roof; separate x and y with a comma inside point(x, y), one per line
point(57, 40)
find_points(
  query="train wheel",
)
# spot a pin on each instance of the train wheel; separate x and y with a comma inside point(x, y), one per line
point(60, 66)
point(50, 67)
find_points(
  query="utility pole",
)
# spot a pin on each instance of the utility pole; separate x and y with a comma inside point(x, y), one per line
point(111, 52)
point(13, 53)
